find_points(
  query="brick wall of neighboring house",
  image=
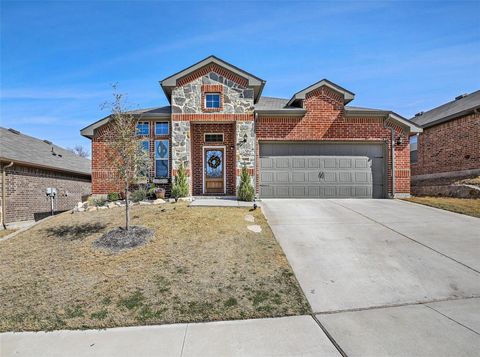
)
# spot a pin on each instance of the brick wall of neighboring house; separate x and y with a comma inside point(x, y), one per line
point(104, 179)
point(26, 188)
point(450, 146)
point(325, 120)
point(198, 142)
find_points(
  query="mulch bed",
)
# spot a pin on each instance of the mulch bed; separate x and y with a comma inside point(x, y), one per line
point(119, 238)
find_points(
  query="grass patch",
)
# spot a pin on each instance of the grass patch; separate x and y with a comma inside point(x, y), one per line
point(133, 301)
point(470, 207)
point(6, 232)
point(202, 264)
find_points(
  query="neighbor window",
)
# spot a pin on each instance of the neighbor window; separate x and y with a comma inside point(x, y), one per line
point(161, 158)
point(212, 138)
point(143, 128)
point(413, 149)
point(161, 128)
point(212, 100)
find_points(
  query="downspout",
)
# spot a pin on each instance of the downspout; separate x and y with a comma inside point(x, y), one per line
point(392, 155)
point(4, 193)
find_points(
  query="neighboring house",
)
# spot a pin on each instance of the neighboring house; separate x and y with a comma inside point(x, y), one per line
point(311, 145)
point(29, 167)
point(448, 149)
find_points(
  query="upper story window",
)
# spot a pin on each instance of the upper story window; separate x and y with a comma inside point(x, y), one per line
point(143, 128)
point(212, 100)
point(161, 128)
point(413, 149)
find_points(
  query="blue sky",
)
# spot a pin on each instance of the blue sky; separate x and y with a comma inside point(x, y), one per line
point(58, 59)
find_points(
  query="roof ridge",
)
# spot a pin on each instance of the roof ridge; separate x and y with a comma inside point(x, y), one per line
point(452, 101)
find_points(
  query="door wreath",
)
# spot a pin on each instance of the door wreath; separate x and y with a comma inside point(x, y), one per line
point(214, 161)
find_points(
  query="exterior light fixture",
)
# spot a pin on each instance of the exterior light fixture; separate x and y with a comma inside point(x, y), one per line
point(399, 141)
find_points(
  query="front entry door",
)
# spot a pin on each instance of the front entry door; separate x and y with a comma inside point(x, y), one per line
point(214, 170)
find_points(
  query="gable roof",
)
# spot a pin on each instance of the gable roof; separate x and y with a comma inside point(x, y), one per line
point(448, 111)
point(24, 149)
point(347, 95)
point(253, 81)
point(157, 112)
point(279, 106)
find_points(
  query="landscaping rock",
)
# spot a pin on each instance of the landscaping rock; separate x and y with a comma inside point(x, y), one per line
point(80, 209)
point(111, 204)
point(158, 201)
point(91, 208)
point(255, 228)
point(119, 238)
point(102, 207)
point(186, 199)
point(145, 203)
point(249, 218)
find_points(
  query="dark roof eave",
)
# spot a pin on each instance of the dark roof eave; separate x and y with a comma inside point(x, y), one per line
point(48, 167)
point(450, 117)
point(281, 112)
point(386, 114)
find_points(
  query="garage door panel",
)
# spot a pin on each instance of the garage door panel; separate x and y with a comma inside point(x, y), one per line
point(298, 177)
point(298, 163)
point(282, 177)
point(282, 163)
point(266, 163)
point(319, 170)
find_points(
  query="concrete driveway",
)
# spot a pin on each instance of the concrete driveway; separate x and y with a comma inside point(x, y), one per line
point(373, 271)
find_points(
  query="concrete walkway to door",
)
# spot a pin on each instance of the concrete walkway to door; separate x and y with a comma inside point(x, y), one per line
point(374, 270)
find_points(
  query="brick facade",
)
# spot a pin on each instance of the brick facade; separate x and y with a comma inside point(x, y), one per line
point(325, 121)
point(104, 180)
point(450, 146)
point(26, 188)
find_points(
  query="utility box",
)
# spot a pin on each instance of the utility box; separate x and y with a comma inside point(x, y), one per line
point(51, 192)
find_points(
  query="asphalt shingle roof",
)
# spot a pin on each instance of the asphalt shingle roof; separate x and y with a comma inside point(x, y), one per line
point(449, 110)
point(27, 149)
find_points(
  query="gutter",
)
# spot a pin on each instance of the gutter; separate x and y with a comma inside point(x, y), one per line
point(4, 193)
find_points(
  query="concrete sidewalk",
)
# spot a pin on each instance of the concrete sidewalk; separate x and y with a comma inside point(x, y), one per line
point(286, 336)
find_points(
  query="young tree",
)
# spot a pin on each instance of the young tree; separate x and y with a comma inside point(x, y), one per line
point(246, 192)
point(180, 186)
point(127, 155)
point(79, 150)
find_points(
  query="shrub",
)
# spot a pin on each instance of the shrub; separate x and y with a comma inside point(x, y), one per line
point(180, 186)
point(138, 195)
point(246, 192)
point(113, 196)
point(99, 202)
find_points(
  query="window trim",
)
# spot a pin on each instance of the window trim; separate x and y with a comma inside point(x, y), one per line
point(216, 141)
point(148, 128)
point(219, 100)
point(162, 122)
point(167, 159)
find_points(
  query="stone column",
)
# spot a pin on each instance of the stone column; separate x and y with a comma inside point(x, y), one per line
point(181, 143)
point(245, 151)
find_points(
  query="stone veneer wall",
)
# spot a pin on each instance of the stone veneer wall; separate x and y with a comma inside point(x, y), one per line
point(246, 151)
point(181, 149)
point(187, 99)
point(187, 105)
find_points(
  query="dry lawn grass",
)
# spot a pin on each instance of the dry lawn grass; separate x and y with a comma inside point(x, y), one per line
point(466, 206)
point(203, 264)
point(6, 232)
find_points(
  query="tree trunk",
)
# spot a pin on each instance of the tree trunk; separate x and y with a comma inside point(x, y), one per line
point(127, 208)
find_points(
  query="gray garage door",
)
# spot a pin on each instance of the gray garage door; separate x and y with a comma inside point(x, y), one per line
point(315, 170)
